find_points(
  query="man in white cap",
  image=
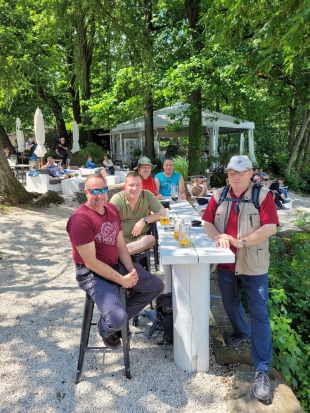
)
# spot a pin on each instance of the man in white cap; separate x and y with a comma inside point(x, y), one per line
point(242, 216)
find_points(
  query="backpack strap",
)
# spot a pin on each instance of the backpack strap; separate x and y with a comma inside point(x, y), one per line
point(223, 196)
point(255, 195)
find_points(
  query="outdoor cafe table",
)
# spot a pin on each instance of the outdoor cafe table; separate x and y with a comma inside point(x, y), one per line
point(187, 274)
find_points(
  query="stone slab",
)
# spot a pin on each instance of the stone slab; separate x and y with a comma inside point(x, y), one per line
point(242, 399)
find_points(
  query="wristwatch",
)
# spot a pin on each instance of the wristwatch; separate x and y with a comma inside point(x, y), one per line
point(145, 220)
point(243, 242)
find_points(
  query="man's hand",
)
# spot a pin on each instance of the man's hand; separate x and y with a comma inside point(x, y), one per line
point(131, 279)
point(225, 241)
point(183, 196)
point(160, 196)
point(138, 228)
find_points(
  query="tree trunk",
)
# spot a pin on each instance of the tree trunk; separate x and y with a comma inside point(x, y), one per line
point(149, 111)
point(11, 190)
point(291, 128)
point(306, 154)
point(73, 90)
point(6, 143)
point(57, 111)
point(298, 139)
point(301, 152)
point(192, 8)
point(149, 127)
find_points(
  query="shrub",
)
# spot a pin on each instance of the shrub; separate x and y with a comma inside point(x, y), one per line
point(181, 166)
point(95, 151)
point(137, 152)
point(158, 163)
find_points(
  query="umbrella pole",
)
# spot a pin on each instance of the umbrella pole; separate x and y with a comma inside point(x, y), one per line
point(22, 154)
point(41, 162)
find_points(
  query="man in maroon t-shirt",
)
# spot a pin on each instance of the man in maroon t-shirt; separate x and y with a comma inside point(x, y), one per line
point(103, 263)
point(237, 224)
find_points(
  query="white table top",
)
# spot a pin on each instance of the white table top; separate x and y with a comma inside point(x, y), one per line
point(203, 249)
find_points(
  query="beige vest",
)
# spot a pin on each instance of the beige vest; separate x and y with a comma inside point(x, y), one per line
point(253, 260)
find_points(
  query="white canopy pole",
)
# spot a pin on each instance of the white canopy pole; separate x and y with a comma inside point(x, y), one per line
point(251, 145)
point(241, 143)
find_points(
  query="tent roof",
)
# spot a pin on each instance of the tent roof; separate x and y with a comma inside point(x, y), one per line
point(227, 124)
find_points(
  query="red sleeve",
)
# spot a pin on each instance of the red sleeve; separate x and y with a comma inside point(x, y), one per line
point(268, 211)
point(209, 213)
point(124, 187)
point(80, 230)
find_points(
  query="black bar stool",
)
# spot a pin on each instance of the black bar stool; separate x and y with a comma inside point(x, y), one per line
point(86, 325)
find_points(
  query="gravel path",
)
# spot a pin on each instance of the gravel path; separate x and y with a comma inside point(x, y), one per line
point(41, 311)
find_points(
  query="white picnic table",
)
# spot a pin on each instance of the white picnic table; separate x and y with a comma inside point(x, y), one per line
point(187, 275)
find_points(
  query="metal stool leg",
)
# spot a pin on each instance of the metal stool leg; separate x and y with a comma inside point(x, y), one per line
point(125, 335)
point(87, 317)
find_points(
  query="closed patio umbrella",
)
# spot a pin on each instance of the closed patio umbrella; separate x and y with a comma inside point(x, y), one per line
point(40, 134)
point(20, 137)
point(76, 146)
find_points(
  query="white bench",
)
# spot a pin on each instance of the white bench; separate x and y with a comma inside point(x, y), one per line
point(42, 183)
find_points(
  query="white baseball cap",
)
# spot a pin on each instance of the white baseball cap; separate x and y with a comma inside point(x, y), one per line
point(239, 163)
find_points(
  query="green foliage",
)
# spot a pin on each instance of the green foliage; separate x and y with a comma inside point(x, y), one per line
point(50, 153)
point(181, 166)
point(217, 181)
point(137, 152)
point(156, 161)
point(95, 151)
point(289, 308)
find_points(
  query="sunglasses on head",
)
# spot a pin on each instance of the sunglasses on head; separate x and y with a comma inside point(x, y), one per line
point(96, 191)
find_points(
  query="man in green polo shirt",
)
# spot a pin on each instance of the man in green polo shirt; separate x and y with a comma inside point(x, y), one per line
point(134, 205)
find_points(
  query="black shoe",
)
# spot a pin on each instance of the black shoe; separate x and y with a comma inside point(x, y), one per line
point(261, 387)
point(234, 340)
point(119, 334)
point(112, 342)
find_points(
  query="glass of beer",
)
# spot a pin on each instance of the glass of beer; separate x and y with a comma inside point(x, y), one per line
point(174, 193)
point(186, 236)
point(164, 216)
point(174, 230)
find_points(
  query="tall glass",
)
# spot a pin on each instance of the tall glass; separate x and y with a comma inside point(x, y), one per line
point(174, 193)
point(174, 231)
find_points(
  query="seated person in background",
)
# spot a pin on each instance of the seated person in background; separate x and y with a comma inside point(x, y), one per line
point(144, 169)
point(7, 152)
point(200, 189)
point(134, 205)
point(263, 175)
point(32, 148)
point(275, 186)
point(108, 164)
point(92, 165)
point(256, 179)
point(103, 263)
point(55, 170)
point(165, 179)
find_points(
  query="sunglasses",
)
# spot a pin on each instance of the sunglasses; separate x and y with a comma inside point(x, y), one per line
point(96, 191)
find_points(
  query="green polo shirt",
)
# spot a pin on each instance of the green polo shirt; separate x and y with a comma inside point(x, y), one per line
point(147, 202)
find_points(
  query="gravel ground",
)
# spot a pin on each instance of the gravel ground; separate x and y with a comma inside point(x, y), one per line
point(41, 311)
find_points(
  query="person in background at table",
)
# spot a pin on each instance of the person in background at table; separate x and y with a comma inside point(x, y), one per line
point(134, 205)
point(246, 231)
point(91, 165)
point(200, 189)
point(263, 175)
point(165, 179)
point(275, 186)
point(144, 169)
point(32, 147)
point(55, 170)
point(103, 263)
point(62, 151)
point(7, 152)
point(257, 179)
point(108, 164)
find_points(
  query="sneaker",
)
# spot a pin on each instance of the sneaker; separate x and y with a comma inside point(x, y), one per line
point(286, 200)
point(283, 207)
point(261, 387)
point(112, 342)
point(234, 340)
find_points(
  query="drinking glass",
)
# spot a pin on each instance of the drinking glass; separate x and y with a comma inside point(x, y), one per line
point(186, 236)
point(174, 193)
point(175, 229)
point(164, 216)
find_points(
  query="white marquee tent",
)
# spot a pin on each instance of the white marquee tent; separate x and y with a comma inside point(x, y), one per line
point(128, 135)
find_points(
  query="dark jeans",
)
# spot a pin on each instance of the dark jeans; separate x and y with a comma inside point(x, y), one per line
point(256, 292)
point(64, 160)
point(106, 296)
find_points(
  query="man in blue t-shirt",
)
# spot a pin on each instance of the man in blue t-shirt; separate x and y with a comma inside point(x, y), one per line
point(164, 180)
